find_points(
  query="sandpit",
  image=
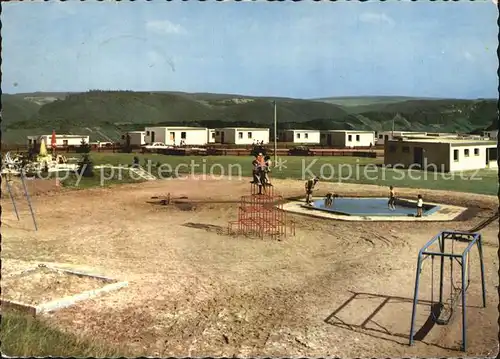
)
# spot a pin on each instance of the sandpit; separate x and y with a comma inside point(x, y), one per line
point(46, 284)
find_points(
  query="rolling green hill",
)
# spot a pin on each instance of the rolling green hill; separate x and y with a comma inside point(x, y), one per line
point(360, 101)
point(104, 115)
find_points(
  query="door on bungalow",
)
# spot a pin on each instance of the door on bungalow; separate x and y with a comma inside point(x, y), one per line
point(221, 136)
point(491, 155)
point(152, 136)
point(329, 139)
point(418, 156)
point(172, 137)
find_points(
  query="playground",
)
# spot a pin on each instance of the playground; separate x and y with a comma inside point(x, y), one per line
point(330, 288)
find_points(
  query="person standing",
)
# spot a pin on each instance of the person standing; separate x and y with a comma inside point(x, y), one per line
point(309, 187)
point(420, 205)
point(392, 199)
point(329, 200)
point(267, 169)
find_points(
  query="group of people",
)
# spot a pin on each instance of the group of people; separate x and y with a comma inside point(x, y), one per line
point(330, 197)
point(392, 202)
point(261, 168)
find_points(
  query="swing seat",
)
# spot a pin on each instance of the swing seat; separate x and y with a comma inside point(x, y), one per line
point(446, 312)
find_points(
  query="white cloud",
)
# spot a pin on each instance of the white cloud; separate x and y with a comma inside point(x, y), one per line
point(154, 58)
point(157, 58)
point(468, 56)
point(164, 27)
point(376, 18)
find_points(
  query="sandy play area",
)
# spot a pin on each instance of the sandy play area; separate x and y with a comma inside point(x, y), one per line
point(335, 289)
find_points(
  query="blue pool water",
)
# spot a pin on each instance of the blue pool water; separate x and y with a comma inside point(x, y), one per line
point(371, 207)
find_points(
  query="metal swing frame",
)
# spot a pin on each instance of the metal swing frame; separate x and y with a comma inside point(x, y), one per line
point(9, 162)
point(463, 259)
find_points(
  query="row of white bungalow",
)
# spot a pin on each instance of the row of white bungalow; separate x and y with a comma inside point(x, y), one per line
point(441, 152)
point(247, 136)
point(200, 136)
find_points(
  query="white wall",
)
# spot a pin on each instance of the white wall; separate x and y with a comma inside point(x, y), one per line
point(472, 161)
point(137, 138)
point(225, 135)
point(347, 139)
point(361, 139)
point(211, 136)
point(232, 135)
point(248, 136)
point(61, 140)
point(191, 137)
point(160, 134)
point(302, 136)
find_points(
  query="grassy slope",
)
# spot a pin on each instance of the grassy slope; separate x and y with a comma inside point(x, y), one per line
point(104, 115)
point(357, 101)
point(25, 336)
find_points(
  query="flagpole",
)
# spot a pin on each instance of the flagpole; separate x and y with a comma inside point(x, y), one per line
point(275, 135)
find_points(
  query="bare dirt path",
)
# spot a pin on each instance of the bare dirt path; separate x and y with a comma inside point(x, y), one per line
point(195, 292)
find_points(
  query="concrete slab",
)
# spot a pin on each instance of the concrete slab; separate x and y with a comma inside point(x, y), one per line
point(442, 214)
point(66, 301)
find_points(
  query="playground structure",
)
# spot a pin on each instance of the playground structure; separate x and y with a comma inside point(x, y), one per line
point(442, 311)
point(11, 166)
point(261, 213)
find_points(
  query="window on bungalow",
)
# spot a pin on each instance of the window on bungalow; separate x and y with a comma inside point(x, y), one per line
point(183, 135)
point(357, 138)
point(455, 155)
point(466, 152)
point(306, 135)
point(240, 134)
point(476, 151)
point(249, 134)
point(349, 138)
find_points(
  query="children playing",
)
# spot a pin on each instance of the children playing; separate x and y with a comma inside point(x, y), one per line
point(392, 199)
point(267, 169)
point(261, 168)
point(420, 205)
point(329, 200)
point(255, 171)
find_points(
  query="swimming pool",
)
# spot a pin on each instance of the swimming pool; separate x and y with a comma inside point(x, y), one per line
point(372, 207)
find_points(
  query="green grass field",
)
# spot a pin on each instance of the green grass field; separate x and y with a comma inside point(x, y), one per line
point(331, 169)
point(25, 336)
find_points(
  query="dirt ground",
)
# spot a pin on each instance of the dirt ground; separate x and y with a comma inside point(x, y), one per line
point(335, 289)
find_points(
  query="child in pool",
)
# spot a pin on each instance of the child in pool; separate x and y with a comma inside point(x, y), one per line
point(329, 200)
point(420, 205)
point(392, 199)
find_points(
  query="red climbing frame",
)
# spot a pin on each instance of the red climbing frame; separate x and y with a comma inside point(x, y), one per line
point(261, 213)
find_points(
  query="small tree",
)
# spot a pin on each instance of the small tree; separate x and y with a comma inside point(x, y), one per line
point(85, 166)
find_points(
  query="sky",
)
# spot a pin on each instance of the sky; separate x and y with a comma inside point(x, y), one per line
point(287, 49)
